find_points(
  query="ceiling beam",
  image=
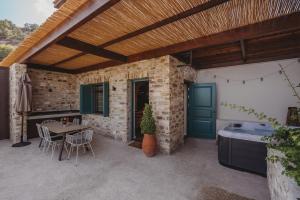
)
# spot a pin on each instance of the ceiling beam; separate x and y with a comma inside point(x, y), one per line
point(90, 49)
point(243, 50)
point(216, 50)
point(283, 24)
point(182, 15)
point(266, 57)
point(48, 68)
point(88, 11)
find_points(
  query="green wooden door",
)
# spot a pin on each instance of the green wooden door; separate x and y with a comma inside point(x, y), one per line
point(202, 110)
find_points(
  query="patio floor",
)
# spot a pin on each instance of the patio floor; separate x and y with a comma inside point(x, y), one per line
point(121, 172)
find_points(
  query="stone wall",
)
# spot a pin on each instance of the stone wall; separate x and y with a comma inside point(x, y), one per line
point(178, 76)
point(53, 91)
point(118, 124)
point(57, 91)
point(281, 187)
point(166, 96)
point(15, 73)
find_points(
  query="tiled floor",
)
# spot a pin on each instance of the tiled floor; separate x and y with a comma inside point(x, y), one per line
point(121, 172)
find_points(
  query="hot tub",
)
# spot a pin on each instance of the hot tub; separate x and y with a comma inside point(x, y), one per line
point(240, 146)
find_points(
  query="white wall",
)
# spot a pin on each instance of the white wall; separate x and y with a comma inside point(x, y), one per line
point(272, 96)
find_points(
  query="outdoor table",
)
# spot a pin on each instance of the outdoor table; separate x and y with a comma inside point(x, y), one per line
point(62, 130)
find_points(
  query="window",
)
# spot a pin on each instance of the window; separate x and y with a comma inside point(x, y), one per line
point(94, 99)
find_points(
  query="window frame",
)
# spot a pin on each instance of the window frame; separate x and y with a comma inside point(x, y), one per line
point(88, 99)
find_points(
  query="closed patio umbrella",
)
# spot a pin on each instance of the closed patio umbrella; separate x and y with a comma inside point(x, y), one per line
point(23, 103)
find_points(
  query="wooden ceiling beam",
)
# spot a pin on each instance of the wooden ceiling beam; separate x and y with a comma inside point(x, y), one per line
point(182, 15)
point(90, 49)
point(231, 60)
point(291, 40)
point(243, 50)
point(248, 61)
point(216, 50)
point(48, 68)
point(85, 14)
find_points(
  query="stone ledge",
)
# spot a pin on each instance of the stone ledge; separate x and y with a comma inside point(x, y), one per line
point(281, 187)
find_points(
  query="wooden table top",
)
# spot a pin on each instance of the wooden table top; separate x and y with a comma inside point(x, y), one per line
point(58, 128)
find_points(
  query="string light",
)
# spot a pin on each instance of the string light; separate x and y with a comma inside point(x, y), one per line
point(261, 78)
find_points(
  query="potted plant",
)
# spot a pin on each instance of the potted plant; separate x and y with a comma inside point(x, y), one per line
point(148, 130)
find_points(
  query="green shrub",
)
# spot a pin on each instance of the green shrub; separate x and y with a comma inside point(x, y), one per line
point(5, 50)
point(148, 123)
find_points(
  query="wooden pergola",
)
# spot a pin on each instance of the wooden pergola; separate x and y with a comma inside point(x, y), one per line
point(84, 35)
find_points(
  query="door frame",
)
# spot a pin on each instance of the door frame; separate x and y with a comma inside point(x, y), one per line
point(215, 112)
point(188, 84)
point(5, 123)
point(133, 82)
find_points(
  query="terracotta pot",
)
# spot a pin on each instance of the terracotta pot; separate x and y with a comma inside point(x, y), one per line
point(149, 145)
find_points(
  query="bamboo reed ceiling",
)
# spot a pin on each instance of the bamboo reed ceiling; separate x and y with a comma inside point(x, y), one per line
point(82, 61)
point(56, 19)
point(218, 19)
point(50, 56)
point(128, 16)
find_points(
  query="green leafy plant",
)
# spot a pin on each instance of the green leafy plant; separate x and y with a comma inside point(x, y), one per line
point(5, 49)
point(284, 139)
point(148, 123)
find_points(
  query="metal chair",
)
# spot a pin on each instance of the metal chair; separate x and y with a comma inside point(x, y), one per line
point(51, 141)
point(76, 121)
point(41, 135)
point(84, 122)
point(81, 139)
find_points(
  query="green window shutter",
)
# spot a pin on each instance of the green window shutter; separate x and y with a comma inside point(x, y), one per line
point(86, 99)
point(82, 89)
point(106, 99)
point(92, 105)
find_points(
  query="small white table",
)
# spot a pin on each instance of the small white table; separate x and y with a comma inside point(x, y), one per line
point(61, 129)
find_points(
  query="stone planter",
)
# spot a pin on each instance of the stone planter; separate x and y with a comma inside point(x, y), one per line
point(281, 187)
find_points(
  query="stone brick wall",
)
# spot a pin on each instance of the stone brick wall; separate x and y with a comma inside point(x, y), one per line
point(166, 95)
point(57, 91)
point(15, 73)
point(118, 124)
point(178, 75)
point(281, 187)
point(53, 91)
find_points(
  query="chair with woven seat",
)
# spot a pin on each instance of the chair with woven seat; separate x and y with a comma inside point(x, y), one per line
point(77, 140)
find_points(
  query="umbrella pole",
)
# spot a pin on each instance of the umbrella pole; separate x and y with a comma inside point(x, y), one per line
point(22, 143)
point(22, 129)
